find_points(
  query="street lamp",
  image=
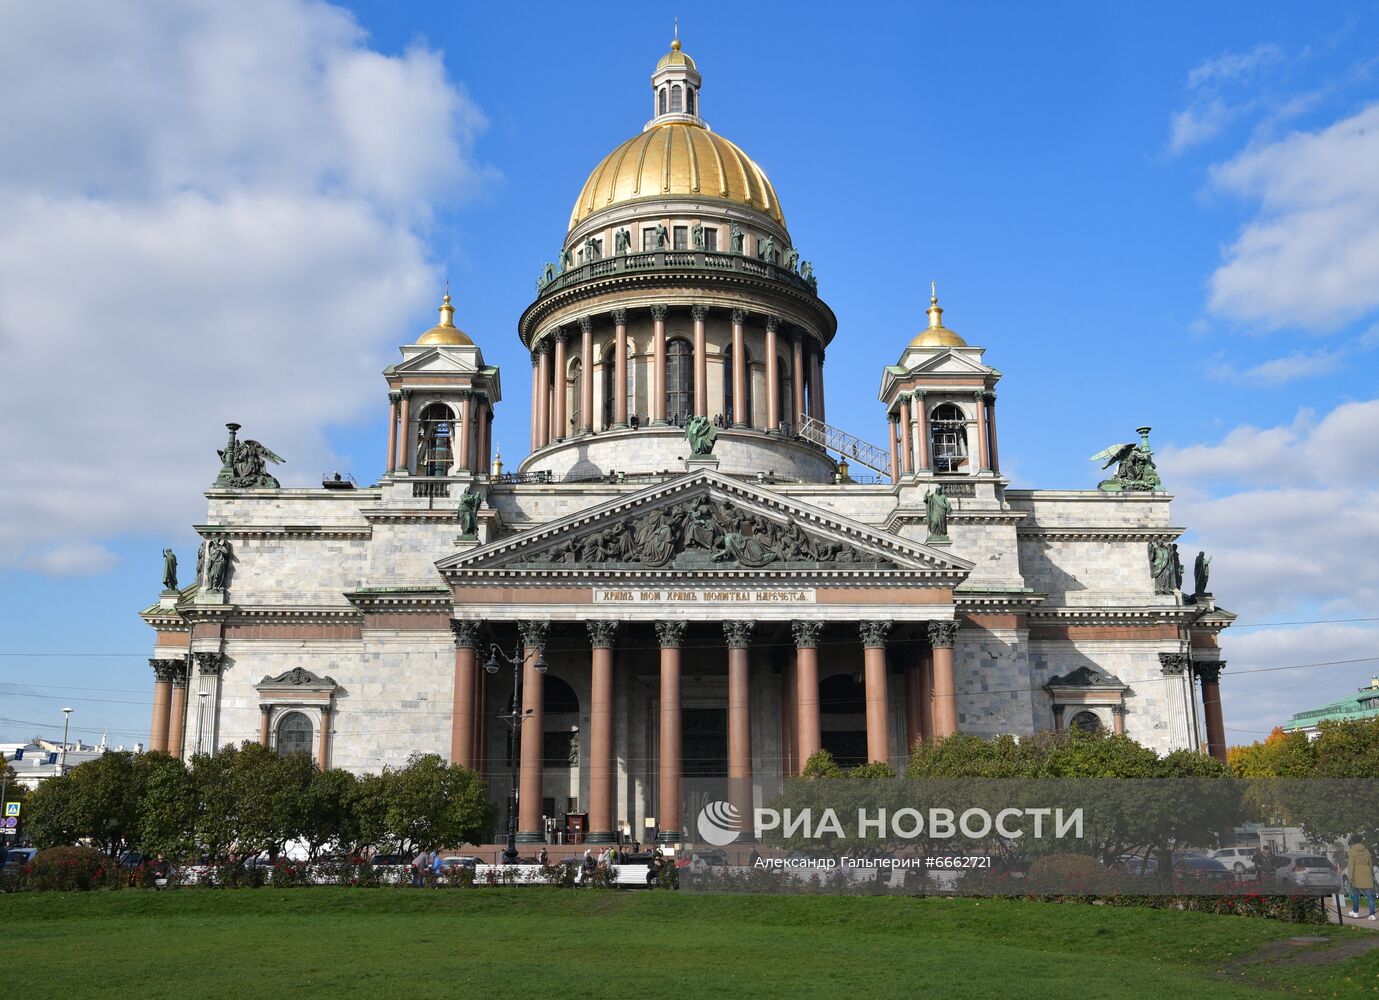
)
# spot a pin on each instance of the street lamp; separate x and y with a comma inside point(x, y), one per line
point(62, 758)
point(514, 719)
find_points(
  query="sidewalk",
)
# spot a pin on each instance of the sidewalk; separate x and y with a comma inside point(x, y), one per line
point(1332, 917)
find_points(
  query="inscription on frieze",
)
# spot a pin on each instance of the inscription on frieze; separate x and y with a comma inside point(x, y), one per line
point(756, 596)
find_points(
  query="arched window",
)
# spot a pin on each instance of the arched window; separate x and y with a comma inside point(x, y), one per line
point(676, 100)
point(434, 440)
point(948, 437)
point(576, 396)
point(294, 734)
point(661, 101)
point(785, 398)
point(689, 99)
point(1088, 722)
point(679, 380)
point(729, 404)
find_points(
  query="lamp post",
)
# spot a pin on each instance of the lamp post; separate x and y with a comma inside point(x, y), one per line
point(514, 719)
point(62, 758)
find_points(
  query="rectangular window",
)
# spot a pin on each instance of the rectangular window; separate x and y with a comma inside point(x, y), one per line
point(710, 239)
point(648, 240)
point(681, 238)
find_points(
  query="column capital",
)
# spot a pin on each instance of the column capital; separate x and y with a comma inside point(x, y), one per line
point(465, 394)
point(1209, 671)
point(739, 316)
point(874, 633)
point(1118, 710)
point(602, 634)
point(942, 634)
point(544, 345)
point(265, 708)
point(894, 416)
point(903, 399)
point(979, 394)
point(619, 316)
point(533, 633)
point(773, 323)
point(586, 324)
point(179, 673)
point(671, 633)
point(325, 711)
point(658, 311)
point(405, 393)
point(466, 632)
point(209, 663)
point(989, 396)
point(699, 312)
point(806, 633)
point(165, 670)
point(739, 633)
point(394, 395)
point(1173, 663)
point(562, 335)
point(918, 394)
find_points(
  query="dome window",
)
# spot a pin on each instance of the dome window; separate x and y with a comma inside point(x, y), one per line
point(710, 239)
point(681, 238)
point(948, 437)
point(661, 102)
point(679, 380)
point(434, 433)
point(677, 101)
point(689, 100)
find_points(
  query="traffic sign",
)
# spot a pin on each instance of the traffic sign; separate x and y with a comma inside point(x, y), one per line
point(10, 822)
point(12, 808)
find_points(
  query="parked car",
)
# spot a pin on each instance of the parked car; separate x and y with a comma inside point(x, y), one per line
point(18, 857)
point(1133, 864)
point(1238, 859)
point(1308, 871)
point(1197, 868)
point(450, 866)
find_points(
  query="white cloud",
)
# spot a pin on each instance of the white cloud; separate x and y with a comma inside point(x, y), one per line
point(77, 559)
point(1214, 95)
point(1277, 371)
point(1231, 66)
point(208, 212)
point(1310, 259)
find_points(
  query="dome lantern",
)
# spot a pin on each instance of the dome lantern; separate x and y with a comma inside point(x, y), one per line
point(937, 335)
point(675, 88)
point(446, 332)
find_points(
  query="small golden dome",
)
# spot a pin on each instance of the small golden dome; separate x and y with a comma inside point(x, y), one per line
point(937, 335)
point(676, 158)
point(446, 332)
point(676, 58)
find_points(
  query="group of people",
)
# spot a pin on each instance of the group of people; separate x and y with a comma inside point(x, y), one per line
point(426, 870)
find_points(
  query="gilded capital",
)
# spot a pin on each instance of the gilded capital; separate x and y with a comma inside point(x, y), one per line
point(602, 633)
point(466, 633)
point(943, 634)
point(874, 633)
point(739, 633)
point(671, 634)
point(806, 633)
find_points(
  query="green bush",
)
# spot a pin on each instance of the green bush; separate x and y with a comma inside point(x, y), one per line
point(63, 869)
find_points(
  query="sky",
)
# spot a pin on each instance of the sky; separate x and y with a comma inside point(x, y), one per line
point(1159, 214)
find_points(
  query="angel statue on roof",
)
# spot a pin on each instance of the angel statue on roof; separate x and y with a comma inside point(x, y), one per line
point(1135, 470)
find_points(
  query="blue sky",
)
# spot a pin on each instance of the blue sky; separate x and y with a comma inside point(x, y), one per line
point(1164, 215)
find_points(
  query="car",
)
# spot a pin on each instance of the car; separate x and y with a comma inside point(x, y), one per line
point(389, 859)
point(1133, 864)
point(1197, 868)
point(18, 857)
point(1238, 859)
point(1307, 871)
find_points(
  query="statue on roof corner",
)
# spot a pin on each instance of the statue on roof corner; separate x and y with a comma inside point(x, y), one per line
point(469, 512)
point(244, 464)
point(937, 508)
point(701, 434)
point(1135, 470)
point(169, 570)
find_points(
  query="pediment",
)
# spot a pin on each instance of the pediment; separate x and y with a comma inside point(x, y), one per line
point(298, 679)
point(438, 360)
point(950, 361)
point(1087, 677)
point(704, 523)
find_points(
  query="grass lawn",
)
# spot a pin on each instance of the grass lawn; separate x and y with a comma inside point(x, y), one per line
point(385, 943)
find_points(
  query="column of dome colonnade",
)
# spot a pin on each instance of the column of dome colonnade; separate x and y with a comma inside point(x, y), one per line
point(1209, 675)
point(552, 356)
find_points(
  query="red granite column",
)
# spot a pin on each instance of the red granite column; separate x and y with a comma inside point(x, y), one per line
point(404, 431)
point(926, 693)
point(772, 377)
point(530, 772)
point(874, 667)
point(797, 381)
point(393, 398)
point(819, 361)
point(895, 454)
point(701, 362)
point(535, 401)
point(177, 713)
point(807, 688)
point(466, 428)
point(921, 415)
point(658, 360)
point(739, 636)
point(1118, 720)
point(601, 636)
point(462, 712)
point(1209, 673)
point(542, 402)
point(941, 637)
point(671, 634)
point(619, 368)
point(586, 381)
point(162, 701)
point(979, 407)
point(742, 416)
point(991, 431)
point(907, 452)
point(816, 382)
point(265, 717)
point(560, 428)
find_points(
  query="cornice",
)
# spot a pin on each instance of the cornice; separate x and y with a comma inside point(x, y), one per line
point(283, 530)
point(1096, 533)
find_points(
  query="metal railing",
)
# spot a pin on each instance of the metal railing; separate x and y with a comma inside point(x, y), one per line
point(849, 445)
point(676, 260)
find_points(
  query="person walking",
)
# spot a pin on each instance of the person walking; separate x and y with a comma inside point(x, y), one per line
point(419, 864)
point(437, 868)
point(1360, 871)
point(543, 858)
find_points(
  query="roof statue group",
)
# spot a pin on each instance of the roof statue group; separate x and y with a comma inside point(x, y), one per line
point(244, 465)
point(1135, 471)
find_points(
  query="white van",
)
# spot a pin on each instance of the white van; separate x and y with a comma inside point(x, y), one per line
point(1238, 859)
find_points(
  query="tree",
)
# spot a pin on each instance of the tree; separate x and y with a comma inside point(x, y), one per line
point(431, 804)
point(167, 810)
point(97, 801)
point(329, 815)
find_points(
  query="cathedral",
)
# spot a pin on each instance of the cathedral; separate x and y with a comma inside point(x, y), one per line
point(691, 574)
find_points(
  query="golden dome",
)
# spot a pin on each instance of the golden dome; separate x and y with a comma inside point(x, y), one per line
point(446, 332)
point(937, 335)
point(676, 158)
point(676, 58)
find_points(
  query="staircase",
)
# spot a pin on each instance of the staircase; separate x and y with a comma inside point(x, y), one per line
point(845, 444)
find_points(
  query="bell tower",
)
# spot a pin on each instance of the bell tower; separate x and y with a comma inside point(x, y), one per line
point(675, 88)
